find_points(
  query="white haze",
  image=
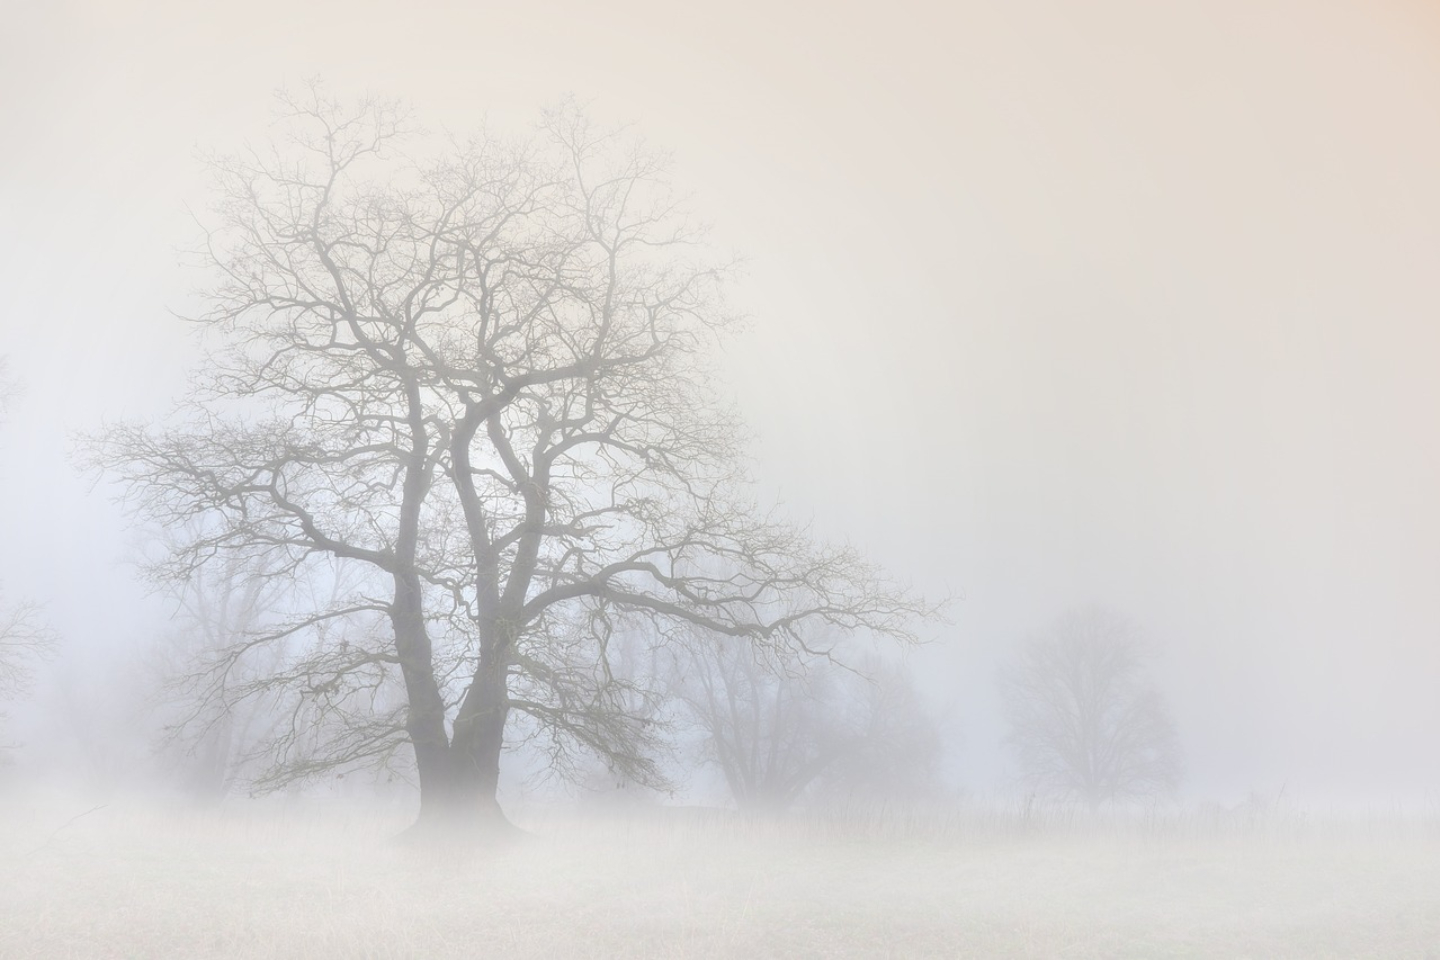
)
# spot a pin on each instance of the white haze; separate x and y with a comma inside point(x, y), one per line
point(1050, 304)
point(1132, 306)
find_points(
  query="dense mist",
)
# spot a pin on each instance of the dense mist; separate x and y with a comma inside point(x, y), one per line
point(748, 447)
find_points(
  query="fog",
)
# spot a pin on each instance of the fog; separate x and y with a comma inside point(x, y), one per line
point(1049, 307)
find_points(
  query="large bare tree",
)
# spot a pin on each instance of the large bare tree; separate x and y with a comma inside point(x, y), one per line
point(1086, 724)
point(479, 377)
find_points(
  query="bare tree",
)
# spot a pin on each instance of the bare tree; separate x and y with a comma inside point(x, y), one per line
point(1085, 723)
point(219, 736)
point(25, 639)
point(25, 642)
point(634, 661)
point(482, 382)
point(764, 720)
point(8, 388)
point(780, 725)
point(897, 740)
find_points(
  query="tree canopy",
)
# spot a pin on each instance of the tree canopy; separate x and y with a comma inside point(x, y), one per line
point(478, 379)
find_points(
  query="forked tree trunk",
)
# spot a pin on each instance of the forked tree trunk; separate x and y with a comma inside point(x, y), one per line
point(460, 775)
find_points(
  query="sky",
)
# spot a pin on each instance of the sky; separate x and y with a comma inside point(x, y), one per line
point(1049, 304)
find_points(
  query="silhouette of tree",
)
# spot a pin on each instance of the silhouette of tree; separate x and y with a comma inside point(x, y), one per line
point(1085, 723)
point(782, 727)
point(480, 381)
point(25, 639)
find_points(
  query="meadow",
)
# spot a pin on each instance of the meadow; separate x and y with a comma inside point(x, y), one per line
point(127, 880)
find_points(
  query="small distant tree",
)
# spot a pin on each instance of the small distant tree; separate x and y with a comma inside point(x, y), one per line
point(897, 741)
point(25, 640)
point(242, 688)
point(783, 727)
point(215, 720)
point(631, 677)
point(7, 386)
point(1086, 724)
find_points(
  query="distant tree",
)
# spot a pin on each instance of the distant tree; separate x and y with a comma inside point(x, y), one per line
point(479, 382)
point(219, 709)
point(8, 388)
point(782, 727)
point(1085, 722)
point(636, 686)
point(25, 639)
point(897, 741)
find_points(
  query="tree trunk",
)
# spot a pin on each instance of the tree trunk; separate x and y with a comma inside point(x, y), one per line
point(480, 736)
point(425, 723)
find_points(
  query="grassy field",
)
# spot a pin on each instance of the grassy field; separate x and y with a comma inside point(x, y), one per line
point(125, 881)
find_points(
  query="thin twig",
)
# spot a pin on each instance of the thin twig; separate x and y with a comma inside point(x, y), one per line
point(56, 832)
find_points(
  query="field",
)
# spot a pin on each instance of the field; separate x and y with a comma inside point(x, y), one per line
point(329, 882)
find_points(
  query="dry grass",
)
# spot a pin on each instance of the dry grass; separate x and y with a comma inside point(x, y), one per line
point(326, 883)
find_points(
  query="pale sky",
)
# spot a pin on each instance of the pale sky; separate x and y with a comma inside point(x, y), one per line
point(1051, 303)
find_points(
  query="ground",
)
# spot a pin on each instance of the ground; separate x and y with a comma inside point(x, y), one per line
point(327, 881)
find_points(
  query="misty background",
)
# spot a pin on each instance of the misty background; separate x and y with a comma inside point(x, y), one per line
point(1049, 305)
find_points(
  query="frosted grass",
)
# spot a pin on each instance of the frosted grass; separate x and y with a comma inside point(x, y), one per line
point(328, 882)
